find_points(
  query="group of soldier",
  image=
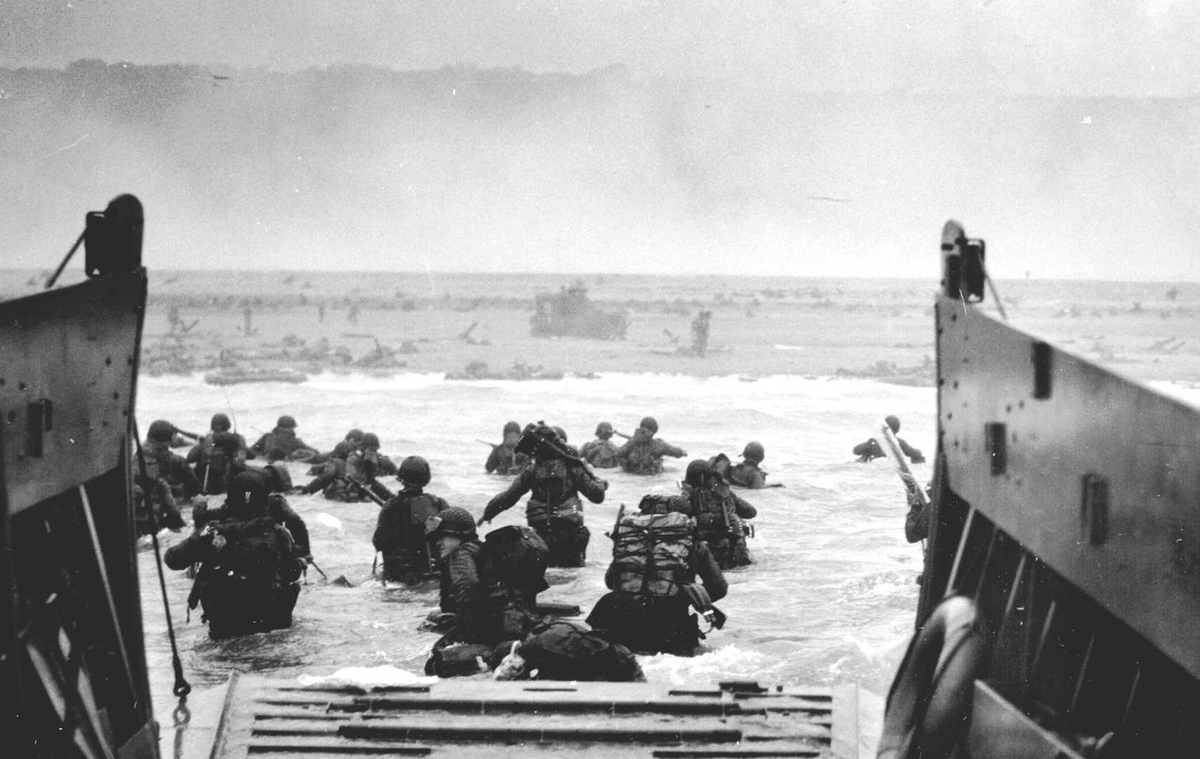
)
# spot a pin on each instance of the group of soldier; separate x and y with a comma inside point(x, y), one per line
point(249, 554)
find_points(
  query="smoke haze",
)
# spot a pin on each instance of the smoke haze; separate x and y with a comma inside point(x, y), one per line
point(366, 168)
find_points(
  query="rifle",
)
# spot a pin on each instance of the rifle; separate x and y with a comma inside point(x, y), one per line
point(489, 445)
point(324, 576)
point(617, 524)
point(185, 433)
point(891, 448)
point(368, 491)
point(618, 433)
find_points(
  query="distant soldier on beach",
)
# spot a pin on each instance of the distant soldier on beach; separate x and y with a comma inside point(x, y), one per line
point(643, 453)
point(601, 452)
point(869, 449)
point(700, 326)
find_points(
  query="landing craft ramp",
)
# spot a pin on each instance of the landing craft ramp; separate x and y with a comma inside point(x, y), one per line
point(483, 718)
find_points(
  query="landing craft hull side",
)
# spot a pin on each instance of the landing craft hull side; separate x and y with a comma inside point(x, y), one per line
point(76, 344)
point(73, 678)
point(1027, 464)
point(1063, 536)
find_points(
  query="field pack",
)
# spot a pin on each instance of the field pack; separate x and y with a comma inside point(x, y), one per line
point(653, 553)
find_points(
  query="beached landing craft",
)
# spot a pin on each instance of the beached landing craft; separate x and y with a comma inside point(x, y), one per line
point(571, 314)
point(1061, 597)
point(73, 673)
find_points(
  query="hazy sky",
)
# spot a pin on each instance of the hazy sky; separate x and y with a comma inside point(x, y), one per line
point(1098, 191)
point(1090, 47)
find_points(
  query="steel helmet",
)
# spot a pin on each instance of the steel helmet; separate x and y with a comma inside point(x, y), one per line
point(649, 423)
point(161, 430)
point(286, 422)
point(414, 470)
point(754, 452)
point(249, 490)
point(893, 422)
point(369, 440)
point(451, 521)
point(697, 469)
point(220, 423)
point(604, 430)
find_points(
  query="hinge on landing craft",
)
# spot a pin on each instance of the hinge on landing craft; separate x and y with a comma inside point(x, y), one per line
point(39, 420)
point(1093, 510)
point(1042, 355)
point(995, 445)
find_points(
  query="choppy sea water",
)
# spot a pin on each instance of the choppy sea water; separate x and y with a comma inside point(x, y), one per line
point(830, 597)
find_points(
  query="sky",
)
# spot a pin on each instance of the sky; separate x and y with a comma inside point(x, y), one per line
point(1135, 49)
point(1067, 47)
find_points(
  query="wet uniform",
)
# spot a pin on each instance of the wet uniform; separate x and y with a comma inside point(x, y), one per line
point(554, 509)
point(601, 454)
point(643, 454)
point(400, 534)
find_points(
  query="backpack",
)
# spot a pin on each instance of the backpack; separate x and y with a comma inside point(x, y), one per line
point(515, 556)
point(251, 561)
point(653, 553)
point(571, 650)
point(655, 503)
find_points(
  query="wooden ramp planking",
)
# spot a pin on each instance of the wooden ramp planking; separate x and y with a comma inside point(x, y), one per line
point(495, 720)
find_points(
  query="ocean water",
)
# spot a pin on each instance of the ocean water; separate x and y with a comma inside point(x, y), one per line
point(830, 596)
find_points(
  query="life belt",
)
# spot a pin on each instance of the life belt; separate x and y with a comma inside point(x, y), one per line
point(929, 704)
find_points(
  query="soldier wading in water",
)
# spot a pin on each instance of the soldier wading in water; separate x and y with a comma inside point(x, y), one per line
point(556, 478)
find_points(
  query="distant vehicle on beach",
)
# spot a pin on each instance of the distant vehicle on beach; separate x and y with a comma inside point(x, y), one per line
point(569, 313)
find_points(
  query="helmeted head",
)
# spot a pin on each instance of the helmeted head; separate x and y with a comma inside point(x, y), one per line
point(893, 422)
point(161, 431)
point(754, 452)
point(286, 423)
point(649, 424)
point(512, 427)
point(604, 430)
point(562, 434)
point(279, 479)
point(220, 423)
point(227, 442)
point(451, 522)
point(697, 472)
point(354, 435)
point(247, 495)
point(369, 442)
point(414, 470)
